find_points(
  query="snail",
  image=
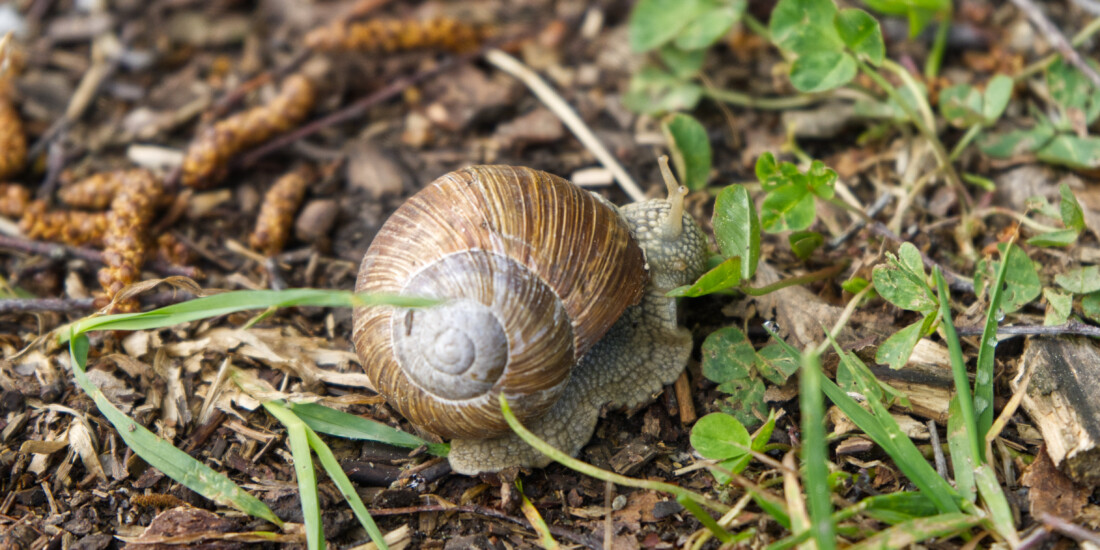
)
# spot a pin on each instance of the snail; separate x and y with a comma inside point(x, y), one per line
point(553, 296)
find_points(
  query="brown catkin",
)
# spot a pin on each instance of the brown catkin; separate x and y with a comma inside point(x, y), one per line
point(208, 156)
point(94, 192)
point(391, 35)
point(13, 143)
point(276, 217)
point(124, 244)
point(72, 227)
point(14, 199)
point(171, 250)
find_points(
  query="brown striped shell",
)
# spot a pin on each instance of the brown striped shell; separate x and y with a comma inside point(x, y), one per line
point(534, 271)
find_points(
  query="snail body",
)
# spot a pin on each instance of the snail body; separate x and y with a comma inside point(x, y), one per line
point(554, 297)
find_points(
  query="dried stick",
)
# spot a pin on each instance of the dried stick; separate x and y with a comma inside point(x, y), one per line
point(353, 111)
point(568, 116)
point(60, 252)
point(1057, 39)
point(1072, 327)
point(43, 305)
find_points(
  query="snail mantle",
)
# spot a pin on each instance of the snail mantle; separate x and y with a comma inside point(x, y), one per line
point(554, 297)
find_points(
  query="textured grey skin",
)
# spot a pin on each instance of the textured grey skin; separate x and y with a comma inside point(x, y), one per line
point(643, 351)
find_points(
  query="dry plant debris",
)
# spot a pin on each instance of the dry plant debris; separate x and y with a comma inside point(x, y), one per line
point(13, 142)
point(65, 226)
point(125, 240)
point(207, 159)
point(394, 35)
point(281, 202)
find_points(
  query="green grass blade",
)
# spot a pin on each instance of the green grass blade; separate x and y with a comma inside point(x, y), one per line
point(231, 302)
point(906, 534)
point(983, 373)
point(546, 539)
point(958, 369)
point(303, 470)
point(338, 477)
point(341, 424)
point(815, 457)
point(994, 498)
point(161, 454)
point(709, 522)
point(961, 461)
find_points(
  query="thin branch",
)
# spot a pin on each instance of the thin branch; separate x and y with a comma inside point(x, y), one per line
point(353, 111)
point(56, 251)
point(43, 305)
point(568, 116)
point(1072, 327)
point(1057, 39)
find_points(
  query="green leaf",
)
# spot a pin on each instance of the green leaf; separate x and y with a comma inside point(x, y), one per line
point(899, 283)
point(725, 275)
point(803, 243)
point(822, 70)
point(767, 171)
point(1059, 307)
point(776, 364)
point(654, 91)
point(820, 179)
point(985, 184)
point(1061, 237)
point(745, 400)
point(690, 149)
point(654, 22)
point(962, 461)
point(909, 533)
point(995, 501)
point(788, 208)
point(895, 351)
point(341, 424)
point(683, 64)
point(997, 94)
point(1071, 89)
point(962, 106)
point(719, 436)
point(304, 472)
point(737, 228)
point(710, 27)
point(894, 508)
point(1018, 142)
point(861, 33)
point(1072, 215)
point(1090, 306)
point(1080, 280)
point(1072, 151)
point(796, 26)
point(1022, 283)
point(855, 285)
point(727, 355)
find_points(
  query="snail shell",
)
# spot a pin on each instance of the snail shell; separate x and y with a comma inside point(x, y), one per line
point(534, 271)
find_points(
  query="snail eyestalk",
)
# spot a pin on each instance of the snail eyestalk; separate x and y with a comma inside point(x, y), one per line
point(676, 194)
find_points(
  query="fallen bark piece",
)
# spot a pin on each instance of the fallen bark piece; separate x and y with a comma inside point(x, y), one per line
point(1052, 492)
point(1061, 400)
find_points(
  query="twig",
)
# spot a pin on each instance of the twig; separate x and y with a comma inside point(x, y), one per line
point(1072, 327)
point(1091, 6)
point(576, 538)
point(1078, 533)
point(1057, 39)
point(568, 116)
point(879, 204)
point(55, 251)
point(1078, 39)
point(42, 305)
point(353, 111)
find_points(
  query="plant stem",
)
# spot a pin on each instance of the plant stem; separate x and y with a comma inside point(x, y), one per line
point(922, 121)
point(818, 275)
point(969, 136)
point(604, 475)
point(1024, 220)
point(767, 103)
point(939, 44)
point(1077, 40)
point(756, 26)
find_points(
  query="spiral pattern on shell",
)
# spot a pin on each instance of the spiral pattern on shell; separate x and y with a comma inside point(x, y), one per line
point(534, 271)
